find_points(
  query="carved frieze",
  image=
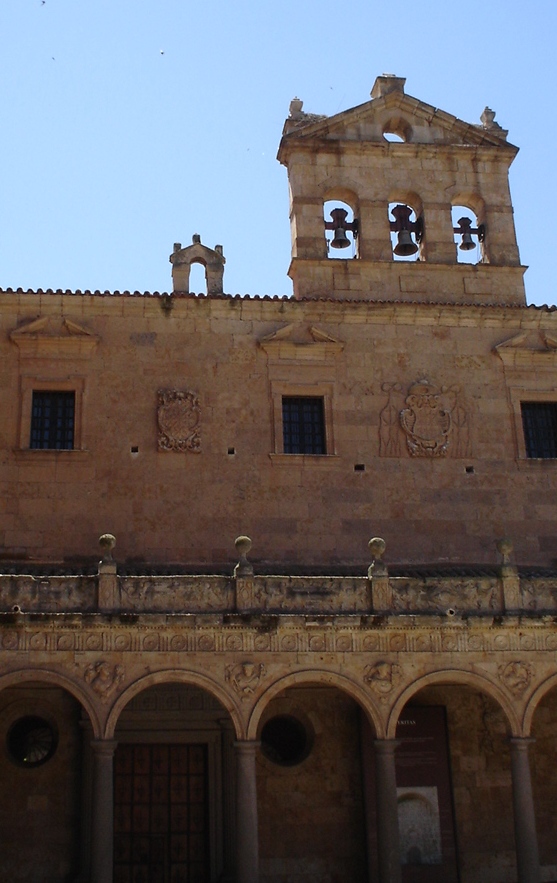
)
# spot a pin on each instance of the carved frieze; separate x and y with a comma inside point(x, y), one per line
point(442, 595)
point(176, 594)
point(178, 419)
point(103, 678)
point(245, 678)
point(433, 421)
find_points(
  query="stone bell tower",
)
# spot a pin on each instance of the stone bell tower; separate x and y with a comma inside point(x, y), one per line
point(384, 181)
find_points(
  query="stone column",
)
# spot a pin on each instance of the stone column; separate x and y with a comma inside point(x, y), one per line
point(247, 836)
point(102, 823)
point(527, 857)
point(388, 844)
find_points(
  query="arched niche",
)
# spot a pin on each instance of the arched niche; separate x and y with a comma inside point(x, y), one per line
point(341, 220)
point(454, 786)
point(174, 772)
point(41, 769)
point(544, 769)
point(469, 231)
point(310, 781)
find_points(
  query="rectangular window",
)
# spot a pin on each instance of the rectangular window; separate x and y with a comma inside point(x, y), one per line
point(539, 420)
point(52, 420)
point(303, 425)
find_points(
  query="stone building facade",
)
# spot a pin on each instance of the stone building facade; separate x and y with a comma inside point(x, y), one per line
point(246, 687)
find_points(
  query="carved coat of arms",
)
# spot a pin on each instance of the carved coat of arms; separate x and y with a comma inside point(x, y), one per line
point(178, 418)
point(425, 421)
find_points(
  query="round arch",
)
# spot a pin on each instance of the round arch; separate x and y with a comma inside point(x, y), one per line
point(407, 197)
point(539, 693)
point(48, 676)
point(472, 201)
point(323, 678)
point(175, 676)
point(460, 677)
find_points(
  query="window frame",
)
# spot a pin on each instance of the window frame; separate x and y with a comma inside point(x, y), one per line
point(524, 432)
point(31, 384)
point(324, 391)
point(518, 395)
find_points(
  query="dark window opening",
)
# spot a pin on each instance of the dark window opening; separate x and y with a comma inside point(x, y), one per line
point(539, 420)
point(52, 420)
point(285, 740)
point(303, 422)
point(31, 741)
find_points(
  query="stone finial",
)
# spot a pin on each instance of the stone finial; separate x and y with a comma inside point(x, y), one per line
point(243, 567)
point(377, 547)
point(107, 542)
point(505, 548)
point(295, 110)
point(196, 239)
point(488, 118)
point(177, 246)
point(386, 84)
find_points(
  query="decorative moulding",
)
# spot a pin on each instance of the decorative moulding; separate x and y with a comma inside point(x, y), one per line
point(291, 344)
point(48, 338)
point(534, 349)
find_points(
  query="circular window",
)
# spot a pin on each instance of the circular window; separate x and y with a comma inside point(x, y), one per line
point(285, 740)
point(31, 741)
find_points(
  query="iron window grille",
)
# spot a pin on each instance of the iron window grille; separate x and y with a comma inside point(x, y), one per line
point(52, 420)
point(303, 424)
point(539, 420)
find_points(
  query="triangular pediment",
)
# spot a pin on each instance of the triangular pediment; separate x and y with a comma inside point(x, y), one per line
point(301, 343)
point(54, 338)
point(421, 123)
point(528, 348)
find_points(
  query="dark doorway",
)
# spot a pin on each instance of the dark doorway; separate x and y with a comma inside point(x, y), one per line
point(161, 830)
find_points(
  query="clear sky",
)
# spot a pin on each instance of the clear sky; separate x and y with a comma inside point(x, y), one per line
point(128, 125)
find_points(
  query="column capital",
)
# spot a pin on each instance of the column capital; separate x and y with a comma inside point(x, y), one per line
point(386, 746)
point(247, 746)
point(104, 747)
point(521, 743)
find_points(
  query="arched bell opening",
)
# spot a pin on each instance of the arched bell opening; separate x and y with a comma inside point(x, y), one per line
point(544, 780)
point(454, 790)
point(469, 235)
point(41, 769)
point(341, 229)
point(311, 787)
point(397, 130)
point(198, 278)
point(174, 791)
point(407, 232)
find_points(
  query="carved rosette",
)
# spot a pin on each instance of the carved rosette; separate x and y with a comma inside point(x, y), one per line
point(382, 677)
point(178, 419)
point(103, 678)
point(245, 678)
point(516, 676)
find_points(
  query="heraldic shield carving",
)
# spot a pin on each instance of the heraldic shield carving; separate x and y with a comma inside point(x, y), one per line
point(178, 418)
point(425, 421)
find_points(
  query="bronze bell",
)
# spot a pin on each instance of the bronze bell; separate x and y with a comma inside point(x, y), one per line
point(405, 245)
point(467, 243)
point(340, 239)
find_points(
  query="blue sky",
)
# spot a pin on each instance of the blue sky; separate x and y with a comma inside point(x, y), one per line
point(128, 126)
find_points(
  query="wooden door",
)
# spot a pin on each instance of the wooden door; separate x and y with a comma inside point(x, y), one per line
point(161, 832)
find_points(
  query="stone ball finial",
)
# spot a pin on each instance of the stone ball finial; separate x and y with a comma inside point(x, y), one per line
point(107, 541)
point(377, 546)
point(243, 567)
point(505, 548)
